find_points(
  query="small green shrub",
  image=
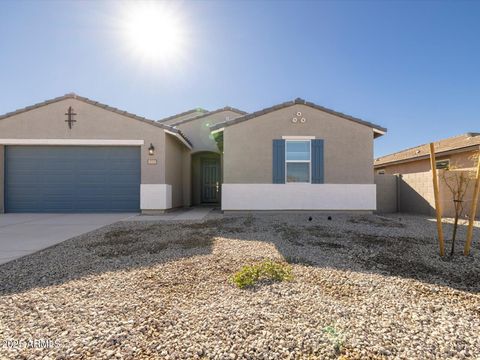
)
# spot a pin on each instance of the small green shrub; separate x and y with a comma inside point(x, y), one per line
point(266, 270)
point(336, 337)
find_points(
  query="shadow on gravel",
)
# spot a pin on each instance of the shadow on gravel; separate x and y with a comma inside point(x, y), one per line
point(118, 247)
point(389, 246)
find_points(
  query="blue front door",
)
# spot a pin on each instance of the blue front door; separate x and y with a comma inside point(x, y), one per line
point(70, 179)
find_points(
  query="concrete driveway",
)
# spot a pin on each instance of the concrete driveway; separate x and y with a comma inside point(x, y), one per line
point(23, 234)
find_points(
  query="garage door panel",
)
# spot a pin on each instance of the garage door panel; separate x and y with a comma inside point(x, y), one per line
point(72, 179)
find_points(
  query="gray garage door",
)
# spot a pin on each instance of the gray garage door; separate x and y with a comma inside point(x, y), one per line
point(72, 179)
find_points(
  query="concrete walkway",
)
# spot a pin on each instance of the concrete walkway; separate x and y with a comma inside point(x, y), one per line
point(23, 234)
point(187, 214)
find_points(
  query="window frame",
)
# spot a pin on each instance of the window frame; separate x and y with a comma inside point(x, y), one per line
point(309, 140)
point(442, 161)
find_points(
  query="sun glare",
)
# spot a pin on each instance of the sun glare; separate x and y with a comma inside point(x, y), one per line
point(154, 31)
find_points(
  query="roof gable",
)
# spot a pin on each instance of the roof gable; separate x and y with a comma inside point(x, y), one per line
point(463, 141)
point(226, 108)
point(97, 104)
point(379, 130)
point(190, 113)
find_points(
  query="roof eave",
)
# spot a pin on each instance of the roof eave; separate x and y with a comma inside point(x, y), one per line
point(97, 104)
point(183, 139)
point(188, 112)
point(226, 108)
point(379, 130)
point(427, 156)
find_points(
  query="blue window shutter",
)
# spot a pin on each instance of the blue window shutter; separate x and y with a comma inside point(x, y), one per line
point(278, 161)
point(317, 162)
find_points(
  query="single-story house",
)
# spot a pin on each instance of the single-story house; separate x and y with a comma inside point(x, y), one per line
point(457, 152)
point(412, 188)
point(73, 154)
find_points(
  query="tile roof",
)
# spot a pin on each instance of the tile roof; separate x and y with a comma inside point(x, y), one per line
point(226, 108)
point(188, 112)
point(100, 105)
point(464, 141)
point(255, 114)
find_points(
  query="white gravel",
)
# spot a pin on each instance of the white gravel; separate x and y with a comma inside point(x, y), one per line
point(160, 290)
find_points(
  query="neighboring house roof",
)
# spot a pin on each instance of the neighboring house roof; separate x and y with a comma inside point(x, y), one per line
point(100, 105)
point(377, 129)
point(463, 142)
point(226, 108)
point(185, 113)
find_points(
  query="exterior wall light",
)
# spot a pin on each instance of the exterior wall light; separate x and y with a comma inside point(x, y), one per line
point(151, 149)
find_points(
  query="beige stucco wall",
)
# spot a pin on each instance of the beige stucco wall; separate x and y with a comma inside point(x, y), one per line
point(187, 178)
point(348, 146)
point(2, 178)
point(198, 131)
point(458, 160)
point(174, 157)
point(48, 122)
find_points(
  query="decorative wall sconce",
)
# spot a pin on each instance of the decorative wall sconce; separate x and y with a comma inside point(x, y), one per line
point(151, 149)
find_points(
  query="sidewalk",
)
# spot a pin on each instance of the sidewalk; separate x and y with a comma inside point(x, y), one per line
point(188, 214)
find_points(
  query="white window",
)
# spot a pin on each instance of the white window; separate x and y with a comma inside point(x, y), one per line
point(297, 161)
point(381, 172)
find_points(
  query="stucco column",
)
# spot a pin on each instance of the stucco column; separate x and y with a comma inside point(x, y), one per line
point(2, 178)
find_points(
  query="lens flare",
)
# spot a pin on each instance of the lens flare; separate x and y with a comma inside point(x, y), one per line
point(154, 31)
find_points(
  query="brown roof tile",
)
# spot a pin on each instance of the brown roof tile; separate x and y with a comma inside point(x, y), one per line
point(464, 141)
point(172, 117)
point(291, 103)
point(226, 108)
point(98, 104)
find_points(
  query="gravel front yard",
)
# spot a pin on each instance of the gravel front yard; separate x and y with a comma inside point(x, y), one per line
point(138, 290)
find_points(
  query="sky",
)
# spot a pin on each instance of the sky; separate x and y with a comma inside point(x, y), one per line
point(410, 66)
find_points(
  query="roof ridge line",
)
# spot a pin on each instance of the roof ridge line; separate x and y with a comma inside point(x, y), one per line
point(470, 134)
point(171, 117)
point(225, 108)
point(98, 104)
point(296, 101)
